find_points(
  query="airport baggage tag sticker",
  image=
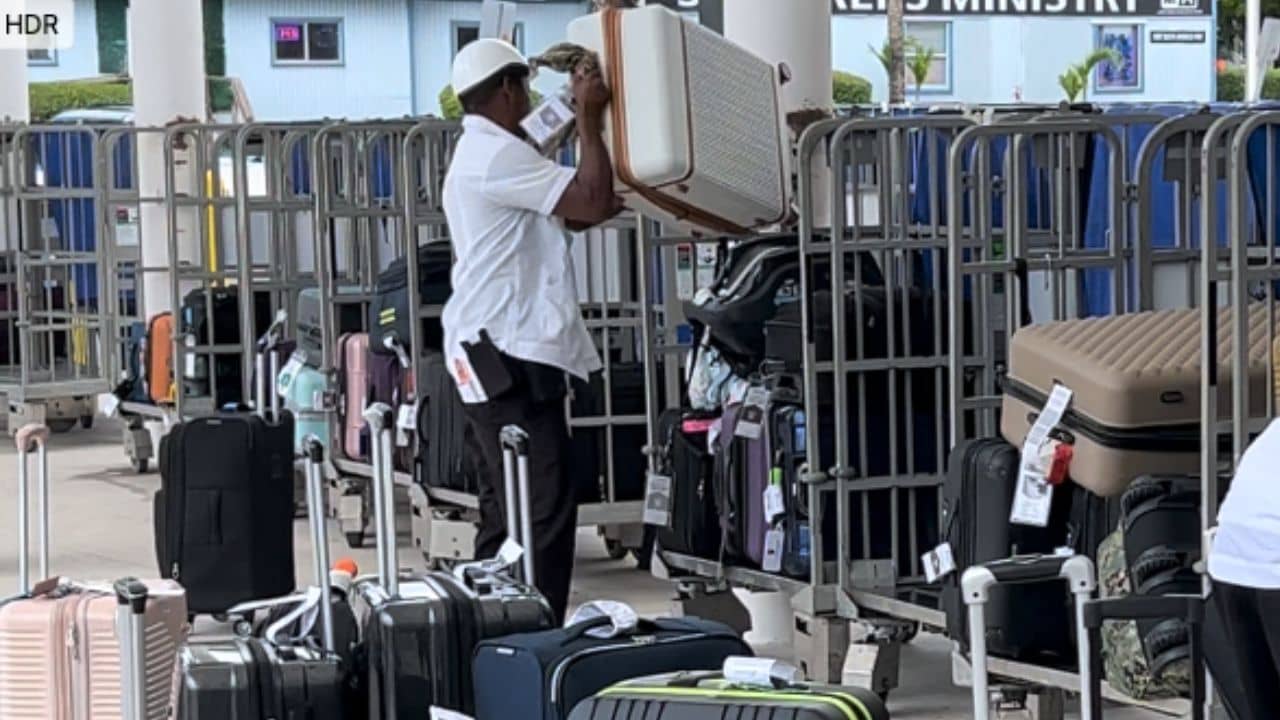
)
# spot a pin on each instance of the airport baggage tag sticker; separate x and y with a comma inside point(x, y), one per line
point(751, 420)
point(657, 500)
point(1033, 499)
point(774, 504)
point(773, 542)
point(406, 423)
point(938, 563)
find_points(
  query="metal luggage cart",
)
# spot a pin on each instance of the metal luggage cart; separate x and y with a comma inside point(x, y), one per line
point(357, 175)
point(53, 361)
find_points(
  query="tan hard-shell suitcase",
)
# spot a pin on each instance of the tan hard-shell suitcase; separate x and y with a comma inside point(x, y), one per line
point(60, 653)
point(1135, 382)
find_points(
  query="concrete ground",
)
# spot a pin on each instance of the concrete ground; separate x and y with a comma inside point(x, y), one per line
point(102, 529)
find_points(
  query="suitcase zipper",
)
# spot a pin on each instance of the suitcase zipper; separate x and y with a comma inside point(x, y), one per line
point(1183, 437)
point(557, 677)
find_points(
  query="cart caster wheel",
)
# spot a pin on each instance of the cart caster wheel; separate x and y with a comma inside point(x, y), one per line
point(86, 422)
point(615, 549)
point(140, 465)
point(883, 695)
point(911, 634)
point(243, 628)
point(355, 540)
point(62, 425)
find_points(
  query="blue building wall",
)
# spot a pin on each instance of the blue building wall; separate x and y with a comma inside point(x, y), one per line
point(78, 61)
point(370, 80)
point(998, 59)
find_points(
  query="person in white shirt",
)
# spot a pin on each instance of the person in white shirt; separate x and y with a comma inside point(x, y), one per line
point(513, 328)
point(1242, 624)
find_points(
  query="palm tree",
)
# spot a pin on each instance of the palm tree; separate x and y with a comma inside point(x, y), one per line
point(919, 63)
point(1076, 78)
point(895, 13)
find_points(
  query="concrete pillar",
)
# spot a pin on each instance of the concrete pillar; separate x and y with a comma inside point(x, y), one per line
point(798, 33)
point(14, 100)
point(166, 59)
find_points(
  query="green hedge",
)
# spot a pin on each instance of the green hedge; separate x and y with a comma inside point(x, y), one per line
point(451, 106)
point(850, 89)
point(1231, 85)
point(50, 98)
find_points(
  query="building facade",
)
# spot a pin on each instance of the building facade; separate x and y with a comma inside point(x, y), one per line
point(301, 59)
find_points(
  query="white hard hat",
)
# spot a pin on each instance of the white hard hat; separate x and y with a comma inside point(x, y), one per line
point(482, 59)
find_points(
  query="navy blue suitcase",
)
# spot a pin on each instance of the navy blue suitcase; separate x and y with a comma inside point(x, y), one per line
point(543, 676)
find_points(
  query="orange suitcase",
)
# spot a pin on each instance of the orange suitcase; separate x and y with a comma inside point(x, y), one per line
point(60, 652)
point(159, 358)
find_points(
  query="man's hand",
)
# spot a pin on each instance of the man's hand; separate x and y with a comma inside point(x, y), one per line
point(591, 96)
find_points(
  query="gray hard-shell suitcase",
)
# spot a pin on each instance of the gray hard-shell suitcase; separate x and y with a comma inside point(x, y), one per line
point(1135, 382)
point(708, 696)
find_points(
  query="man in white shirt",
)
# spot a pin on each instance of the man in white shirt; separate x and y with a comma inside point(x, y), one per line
point(1242, 631)
point(513, 328)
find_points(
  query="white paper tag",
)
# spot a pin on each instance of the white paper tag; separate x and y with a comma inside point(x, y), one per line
point(938, 563)
point(469, 386)
point(759, 671)
point(773, 503)
point(657, 500)
point(1033, 499)
point(622, 618)
point(773, 542)
point(406, 424)
point(547, 120)
point(751, 420)
point(439, 713)
point(510, 553)
point(108, 403)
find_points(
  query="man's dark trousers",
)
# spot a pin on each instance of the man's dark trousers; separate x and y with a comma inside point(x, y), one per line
point(536, 405)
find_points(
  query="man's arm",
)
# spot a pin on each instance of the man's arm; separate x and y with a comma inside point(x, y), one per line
point(589, 200)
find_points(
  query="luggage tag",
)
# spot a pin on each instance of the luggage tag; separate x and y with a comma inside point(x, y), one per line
point(657, 500)
point(751, 421)
point(549, 123)
point(439, 713)
point(1056, 458)
point(774, 505)
point(108, 403)
point(1033, 498)
point(760, 672)
point(938, 563)
point(773, 542)
point(406, 423)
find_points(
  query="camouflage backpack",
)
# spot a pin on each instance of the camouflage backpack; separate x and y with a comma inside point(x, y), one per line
point(1124, 659)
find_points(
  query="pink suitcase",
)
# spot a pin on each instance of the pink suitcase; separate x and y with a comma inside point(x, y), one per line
point(353, 370)
point(60, 653)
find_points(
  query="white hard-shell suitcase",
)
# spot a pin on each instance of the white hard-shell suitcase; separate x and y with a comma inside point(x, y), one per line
point(695, 128)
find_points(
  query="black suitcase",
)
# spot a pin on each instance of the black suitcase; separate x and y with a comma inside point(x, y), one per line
point(219, 326)
point(1024, 622)
point(543, 676)
point(589, 444)
point(707, 696)
point(276, 677)
point(224, 512)
point(420, 630)
point(390, 312)
point(695, 523)
point(446, 455)
point(789, 456)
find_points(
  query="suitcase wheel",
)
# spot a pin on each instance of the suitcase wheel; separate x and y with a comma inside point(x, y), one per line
point(355, 540)
point(86, 422)
point(616, 549)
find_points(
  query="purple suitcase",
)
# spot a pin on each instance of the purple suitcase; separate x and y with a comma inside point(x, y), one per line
point(745, 472)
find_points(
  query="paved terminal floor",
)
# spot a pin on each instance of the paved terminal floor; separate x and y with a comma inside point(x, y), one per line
point(102, 528)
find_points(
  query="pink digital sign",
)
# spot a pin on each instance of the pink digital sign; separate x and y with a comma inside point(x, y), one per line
point(288, 33)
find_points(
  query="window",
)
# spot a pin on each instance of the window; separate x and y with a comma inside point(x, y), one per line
point(930, 38)
point(42, 56)
point(465, 32)
point(1125, 41)
point(297, 42)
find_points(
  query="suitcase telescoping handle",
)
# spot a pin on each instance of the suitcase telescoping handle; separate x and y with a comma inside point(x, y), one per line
point(319, 535)
point(381, 421)
point(269, 359)
point(515, 469)
point(1186, 607)
point(131, 608)
point(976, 585)
point(38, 435)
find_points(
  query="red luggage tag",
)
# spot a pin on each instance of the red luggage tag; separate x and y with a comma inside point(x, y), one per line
point(1055, 458)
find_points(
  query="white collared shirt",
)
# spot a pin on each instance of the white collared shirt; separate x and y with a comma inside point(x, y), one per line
point(1246, 549)
point(513, 275)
